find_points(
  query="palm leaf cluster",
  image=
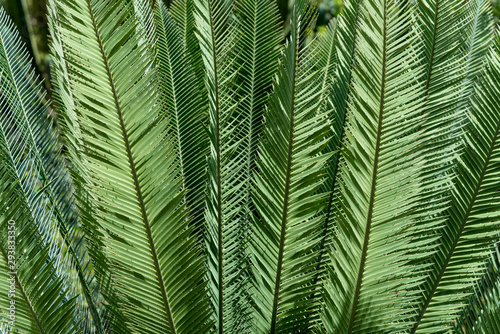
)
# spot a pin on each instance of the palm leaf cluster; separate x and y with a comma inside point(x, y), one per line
point(209, 173)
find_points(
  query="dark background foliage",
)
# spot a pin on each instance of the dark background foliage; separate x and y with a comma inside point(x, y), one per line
point(30, 18)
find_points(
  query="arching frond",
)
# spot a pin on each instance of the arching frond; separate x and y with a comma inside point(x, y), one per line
point(133, 210)
point(285, 235)
point(472, 225)
point(370, 279)
point(25, 116)
point(181, 102)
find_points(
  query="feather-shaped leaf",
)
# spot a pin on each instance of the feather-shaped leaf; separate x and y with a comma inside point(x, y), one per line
point(472, 226)
point(134, 208)
point(285, 236)
point(24, 114)
point(379, 179)
point(181, 102)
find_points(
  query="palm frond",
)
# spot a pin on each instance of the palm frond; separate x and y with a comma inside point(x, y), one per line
point(133, 208)
point(182, 104)
point(25, 113)
point(258, 40)
point(285, 235)
point(482, 312)
point(379, 183)
point(183, 12)
point(30, 283)
point(476, 36)
point(341, 36)
point(440, 23)
point(472, 226)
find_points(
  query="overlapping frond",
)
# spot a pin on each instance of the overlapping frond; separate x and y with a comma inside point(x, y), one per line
point(133, 208)
point(181, 103)
point(216, 39)
point(341, 36)
point(482, 312)
point(34, 299)
point(25, 115)
point(440, 24)
point(370, 279)
point(258, 39)
point(183, 12)
point(472, 225)
point(286, 232)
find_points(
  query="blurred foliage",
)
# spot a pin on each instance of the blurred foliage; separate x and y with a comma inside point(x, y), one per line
point(496, 9)
point(30, 18)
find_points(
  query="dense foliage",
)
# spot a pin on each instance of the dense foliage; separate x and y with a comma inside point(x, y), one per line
point(214, 170)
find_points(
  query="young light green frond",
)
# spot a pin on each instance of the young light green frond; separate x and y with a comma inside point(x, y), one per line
point(181, 102)
point(472, 226)
point(379, 184)
point(134, 209)
point(285, 235)
point(482, 312)
point(25, 113)
point(183, 12)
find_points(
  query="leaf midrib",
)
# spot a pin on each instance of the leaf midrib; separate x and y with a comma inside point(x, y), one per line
point(374, 180)
point(137, 185)
point(459, 234)
point(287, 187)
point(219, 186)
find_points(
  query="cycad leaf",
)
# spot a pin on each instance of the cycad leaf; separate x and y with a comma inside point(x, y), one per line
point(216, 38)
point(379, 179)
point(482, 312)
point(341, 36)
point(285, 236)
point(29, 283)
point(472, 225)
point(134, 185)
point(182, 105)
point(183, 12)
point(256, 53)
point(24, 114)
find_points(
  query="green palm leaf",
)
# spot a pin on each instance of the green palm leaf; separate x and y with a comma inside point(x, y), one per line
point(182, 104)
point(337, 51)
point(258, 37)
point(30, 118)
point(472, 226)
point(379, 181)
point(133, 208)
point(224, 168)
point(183, 12)
point(285, 236)
point(481, 314)
point(41, 297)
